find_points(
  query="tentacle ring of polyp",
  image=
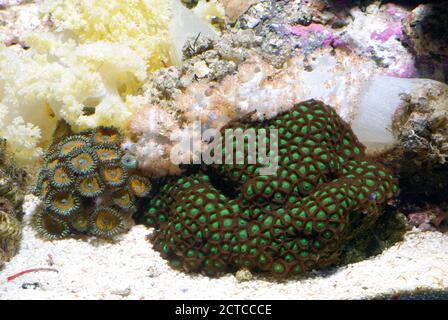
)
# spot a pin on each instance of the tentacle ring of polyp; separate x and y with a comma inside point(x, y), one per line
point(229, 216)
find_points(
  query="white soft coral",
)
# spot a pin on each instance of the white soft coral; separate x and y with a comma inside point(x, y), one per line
point(42, 87)
point(89, 70)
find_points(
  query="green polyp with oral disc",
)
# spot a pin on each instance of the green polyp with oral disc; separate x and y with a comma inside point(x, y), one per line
point(324, 190)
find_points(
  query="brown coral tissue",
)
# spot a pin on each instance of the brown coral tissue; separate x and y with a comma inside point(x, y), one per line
point(88, 186)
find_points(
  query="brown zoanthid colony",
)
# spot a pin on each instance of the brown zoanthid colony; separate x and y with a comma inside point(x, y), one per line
point(88, 186)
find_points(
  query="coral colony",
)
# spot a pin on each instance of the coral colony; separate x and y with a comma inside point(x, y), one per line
point(88, 186)
point(237, 146)
point(224, 217)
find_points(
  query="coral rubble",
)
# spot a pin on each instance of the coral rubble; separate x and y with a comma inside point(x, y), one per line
point(324, 194)
point(234, 8)
point(421, 156)
point(88, 186)
point(347, 82)
point(426, 33)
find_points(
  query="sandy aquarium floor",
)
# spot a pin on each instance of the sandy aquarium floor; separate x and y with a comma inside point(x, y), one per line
point(130, 269)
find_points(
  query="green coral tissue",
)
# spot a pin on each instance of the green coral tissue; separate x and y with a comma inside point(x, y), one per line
point(225, 217)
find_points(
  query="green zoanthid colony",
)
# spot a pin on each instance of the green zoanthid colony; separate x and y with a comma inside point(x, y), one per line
point(226, 217)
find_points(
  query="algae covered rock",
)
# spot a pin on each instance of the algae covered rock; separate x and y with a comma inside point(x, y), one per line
point(10, 235)
point(324, 195)
point(12, 191)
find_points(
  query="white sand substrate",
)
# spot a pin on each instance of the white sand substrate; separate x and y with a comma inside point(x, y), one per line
point(131, 269)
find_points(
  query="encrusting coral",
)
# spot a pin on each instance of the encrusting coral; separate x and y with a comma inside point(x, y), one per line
point(324, 192)
point(88, 186)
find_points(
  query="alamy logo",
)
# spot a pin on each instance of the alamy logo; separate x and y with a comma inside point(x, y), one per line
point(238, 146)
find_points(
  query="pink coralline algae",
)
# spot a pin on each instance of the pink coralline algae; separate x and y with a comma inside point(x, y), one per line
point(395, 11)
point(407, 70)
point(391, 9)
point(394, 30)
point(328, 37)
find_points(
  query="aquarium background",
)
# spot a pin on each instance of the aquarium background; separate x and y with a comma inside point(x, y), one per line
point(118, 179)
